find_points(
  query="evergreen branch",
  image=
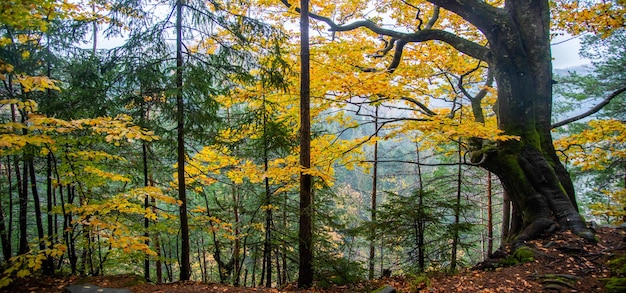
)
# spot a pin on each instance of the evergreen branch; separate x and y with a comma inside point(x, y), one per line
point(592, 110)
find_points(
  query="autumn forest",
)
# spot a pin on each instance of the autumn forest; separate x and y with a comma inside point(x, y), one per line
point(266, 143)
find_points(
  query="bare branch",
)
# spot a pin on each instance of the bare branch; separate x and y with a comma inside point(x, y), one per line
point(461, 44)
point(477, 12)
point(434, 18)
point(419, 104)
point(481, 94)
point(388, 46)
point(592, 110)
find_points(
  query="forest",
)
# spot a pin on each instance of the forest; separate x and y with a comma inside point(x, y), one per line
point(299, 144)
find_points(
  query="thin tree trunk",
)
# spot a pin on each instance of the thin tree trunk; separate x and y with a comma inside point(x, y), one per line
point(38, 217)
point(4, 239)
point(305, 234)
point(372, 255)
point(146, 203)
point(457, 212)
point(267, 248)
point(71, 243)
point(157, 248)
point(284, 242)
point(23, 202)
point(489, 216)
point(421, 259)
point(185, 266)
point(237, 244)
point(49, 218)
point(254, 263)
point(278, 268)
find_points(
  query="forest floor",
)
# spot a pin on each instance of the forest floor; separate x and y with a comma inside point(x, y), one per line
point(562, 263)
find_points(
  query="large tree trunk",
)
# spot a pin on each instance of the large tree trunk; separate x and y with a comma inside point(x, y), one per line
point(528, 168)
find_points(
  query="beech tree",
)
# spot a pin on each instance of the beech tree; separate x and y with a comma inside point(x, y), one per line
point(512, 39)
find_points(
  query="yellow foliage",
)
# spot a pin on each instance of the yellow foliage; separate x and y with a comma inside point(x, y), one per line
point(602, 142)
point(600, 145)
point(597, 17)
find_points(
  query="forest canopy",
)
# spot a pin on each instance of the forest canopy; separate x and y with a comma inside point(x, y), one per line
point(163, 137)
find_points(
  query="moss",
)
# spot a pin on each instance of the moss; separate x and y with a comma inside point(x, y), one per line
point(521, 255)
point(617, 283)
point(524, 254)
point(419, 283)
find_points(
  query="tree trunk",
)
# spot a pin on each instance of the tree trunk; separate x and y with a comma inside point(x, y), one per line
point(372, 255)
point(47, 270)
point(237, 242)
point(4, 239)
point(528, 168)
point(305, 234)
point(185, 266)
point(23, 203)
point(506, 218)
point(421, 219)
point(457, 211)
point(489, 217)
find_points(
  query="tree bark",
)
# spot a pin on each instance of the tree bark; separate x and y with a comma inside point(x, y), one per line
point(4, 239)
point(489, 216)
point(372, 255)
point(305, 234)
point(185, 266)
point(528, 168)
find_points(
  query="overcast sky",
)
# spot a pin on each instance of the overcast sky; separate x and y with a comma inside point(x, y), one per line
point(565, 52)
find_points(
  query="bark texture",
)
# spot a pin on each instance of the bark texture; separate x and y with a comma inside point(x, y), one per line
point(529, 169)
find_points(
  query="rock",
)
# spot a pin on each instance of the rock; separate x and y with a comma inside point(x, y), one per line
point(553, 287)
point(88, 288)
point(386, 289)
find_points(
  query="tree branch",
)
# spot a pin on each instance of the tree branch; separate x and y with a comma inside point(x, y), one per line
point(476, 12)
point(461, 44)
point(592, 110)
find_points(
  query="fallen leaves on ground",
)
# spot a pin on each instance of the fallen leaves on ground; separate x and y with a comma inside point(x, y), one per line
point(562, 263)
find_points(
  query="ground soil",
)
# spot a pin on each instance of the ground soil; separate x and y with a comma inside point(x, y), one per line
point(561, 263)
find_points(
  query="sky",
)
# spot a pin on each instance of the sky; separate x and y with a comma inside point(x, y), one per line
point(565, 52)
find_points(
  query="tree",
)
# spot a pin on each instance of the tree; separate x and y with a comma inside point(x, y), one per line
point(305, 234)
point(185, 266)
point(513, 39)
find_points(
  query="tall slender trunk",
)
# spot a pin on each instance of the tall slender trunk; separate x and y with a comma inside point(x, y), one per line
point(50, 198)
point(157, 248)
point(267, 244)
point(38, 217)
point(421, 221)
point(22, 190)
point(146, 204)
point(237, 243)
point(457, 211)
point(254, 263)
point(95, 30)
point(185, 266)
point(489, 216)
point(284, 242)
point(372, 256)
point(305, 232)
point(4, 239)
point(69, 233)
point(23, 218)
